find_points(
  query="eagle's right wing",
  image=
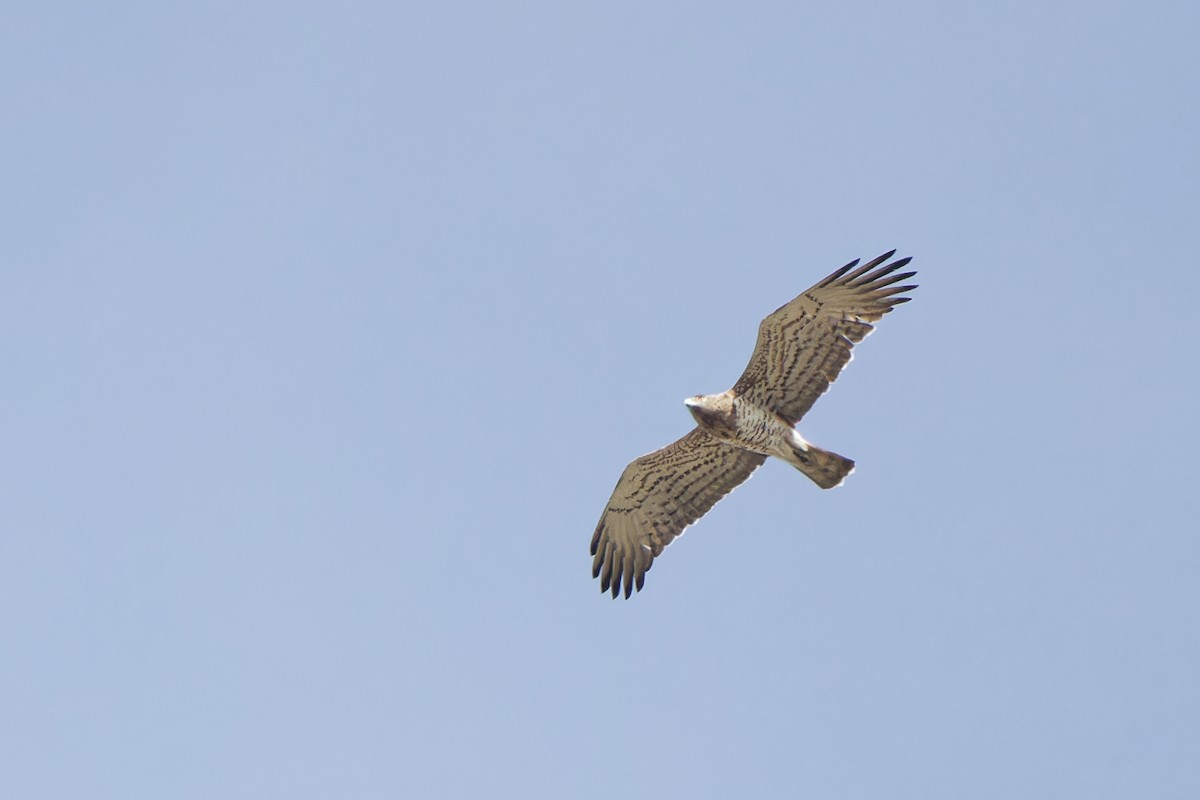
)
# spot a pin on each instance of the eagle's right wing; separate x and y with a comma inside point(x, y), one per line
point(658, 496)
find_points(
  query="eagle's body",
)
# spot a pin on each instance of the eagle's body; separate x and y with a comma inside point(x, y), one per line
point(742, 423)
point(801, 349)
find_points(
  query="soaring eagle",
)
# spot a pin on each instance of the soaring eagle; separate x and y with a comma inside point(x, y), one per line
point(801, 349)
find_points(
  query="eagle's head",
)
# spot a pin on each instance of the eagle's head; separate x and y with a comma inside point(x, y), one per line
point(713, 412)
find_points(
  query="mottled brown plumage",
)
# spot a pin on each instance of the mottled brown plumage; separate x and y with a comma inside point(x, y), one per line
point(801, 349)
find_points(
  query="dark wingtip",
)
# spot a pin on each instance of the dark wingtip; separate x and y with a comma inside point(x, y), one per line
point(596, 535)
point(839, 273)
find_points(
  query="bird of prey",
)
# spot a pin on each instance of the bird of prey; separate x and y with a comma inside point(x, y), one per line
point(801, 349)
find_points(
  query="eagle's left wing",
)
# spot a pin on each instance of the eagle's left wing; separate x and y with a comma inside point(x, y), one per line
point(804, 345)
point(658, 496)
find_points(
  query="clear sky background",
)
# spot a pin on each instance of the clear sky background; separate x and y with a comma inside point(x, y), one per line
point(326, 330)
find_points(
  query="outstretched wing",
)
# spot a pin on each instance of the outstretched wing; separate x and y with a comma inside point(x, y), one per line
point(658, 496)
point(805, 344)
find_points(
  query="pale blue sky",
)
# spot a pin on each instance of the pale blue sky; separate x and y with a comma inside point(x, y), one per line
point(326, 330)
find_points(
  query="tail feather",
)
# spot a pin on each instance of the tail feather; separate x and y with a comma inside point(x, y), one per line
point(826, 469)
